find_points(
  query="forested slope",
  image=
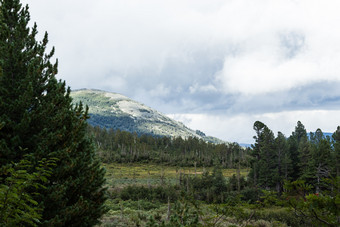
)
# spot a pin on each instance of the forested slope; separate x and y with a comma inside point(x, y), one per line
point(115, 111)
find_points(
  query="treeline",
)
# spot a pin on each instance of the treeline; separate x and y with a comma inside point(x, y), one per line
point(309, 158)
point(300, 172)
point(125, 147)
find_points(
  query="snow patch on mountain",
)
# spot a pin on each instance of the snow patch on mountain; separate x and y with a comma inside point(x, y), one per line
point(113, 110)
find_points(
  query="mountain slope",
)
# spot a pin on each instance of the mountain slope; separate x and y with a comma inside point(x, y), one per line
point(112, 110)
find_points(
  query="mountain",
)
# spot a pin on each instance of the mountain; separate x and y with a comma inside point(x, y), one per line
point(116, 111)
point(325, 134)
point(330, 134)
point(245, 145)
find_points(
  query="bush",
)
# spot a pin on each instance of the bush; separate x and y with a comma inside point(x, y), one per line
point(279, 214)
point(159, 193)
point(17, 205)
point(251, 195)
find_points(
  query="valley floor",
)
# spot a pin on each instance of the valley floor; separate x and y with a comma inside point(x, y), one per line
point(126, 208)
point(124, 174)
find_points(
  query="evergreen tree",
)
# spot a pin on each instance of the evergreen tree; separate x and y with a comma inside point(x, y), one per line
point(268, 168)
point(283, 161)
point(300, 132)
point(298, 149)
point(305, 156)
point(264, 170)
point(319, 165)
point(336, 154)
point(40, 120)
point(256, 149)
point(219, 185)
point(17, 206)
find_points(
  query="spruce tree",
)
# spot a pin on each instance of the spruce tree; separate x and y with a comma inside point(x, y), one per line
point(39, 119)
point(264, 170)
point(268, 168)
point(283, 160)
point(336, 153)
point(305, 156)
point(256, 150)
point(320, 163)
point(298, 150)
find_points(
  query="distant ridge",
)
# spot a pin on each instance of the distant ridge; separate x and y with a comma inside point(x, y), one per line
point(116, 111)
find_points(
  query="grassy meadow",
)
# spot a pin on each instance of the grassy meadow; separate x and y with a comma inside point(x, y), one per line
point(146, 212)
point(123, 174)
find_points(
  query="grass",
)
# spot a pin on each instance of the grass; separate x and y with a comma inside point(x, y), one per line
point(118, 174)
point(139, 213)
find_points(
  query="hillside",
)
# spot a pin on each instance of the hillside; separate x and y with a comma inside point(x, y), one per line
point(112, 110)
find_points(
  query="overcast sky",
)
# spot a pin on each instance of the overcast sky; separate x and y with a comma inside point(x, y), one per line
point(215, 65)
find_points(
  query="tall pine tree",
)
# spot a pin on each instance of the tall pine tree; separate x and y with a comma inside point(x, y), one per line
point(256, 150)
point(39, 119)
point(298, 150)
point(320, 164)
point(336, 154)
point(283, 161)
point(264, 170)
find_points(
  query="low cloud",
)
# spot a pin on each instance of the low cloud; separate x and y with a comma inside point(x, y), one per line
point(231, 59)
point(240, 127)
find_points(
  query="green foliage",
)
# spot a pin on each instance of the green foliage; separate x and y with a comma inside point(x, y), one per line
point(231, 208)
point(336, 154)
point(269, 198)
point(146, 205)
point(233, 183)
point(39, 119)
point(250, 194)
point(158, 193)
point(125, 147)
point(312, 164)
point(268, 158)
point(215, 201)
point(141, 204)
point(322, 208)
point(208, 187)
point(297, 157)
point(184, 214)
point(277, 216)
point(17, 204)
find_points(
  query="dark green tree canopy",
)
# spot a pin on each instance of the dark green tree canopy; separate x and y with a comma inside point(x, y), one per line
point(300, 131)
point(310, 159)
point(39, 119)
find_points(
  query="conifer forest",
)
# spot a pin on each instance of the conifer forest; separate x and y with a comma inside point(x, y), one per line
point(58, 170)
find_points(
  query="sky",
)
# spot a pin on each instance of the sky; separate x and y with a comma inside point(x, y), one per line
point(215, 65)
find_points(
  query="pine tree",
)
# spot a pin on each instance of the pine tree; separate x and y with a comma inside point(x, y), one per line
point(336, 153)
point(264, 170)
point(256, 149)
point(298, 150)
point(39, 119)
point(304, 158)
point(17, 206)
point(319, 165)
point(268, 168)
point(283, 161)
point(300, 131)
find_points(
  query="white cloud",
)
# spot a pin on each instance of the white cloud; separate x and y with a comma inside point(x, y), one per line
point(239, 127)
point(261, 64)
point(196, 88)
point(237, 57)
point(138, 39)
